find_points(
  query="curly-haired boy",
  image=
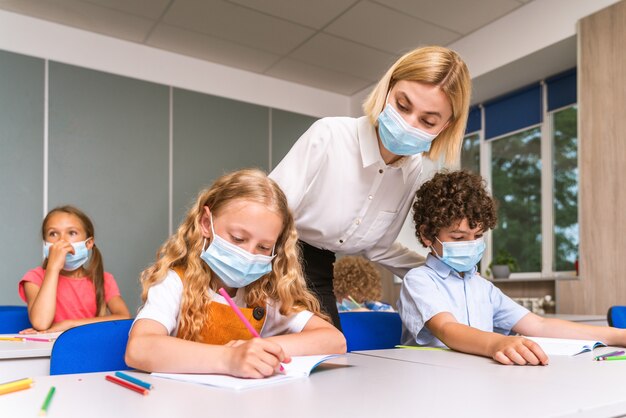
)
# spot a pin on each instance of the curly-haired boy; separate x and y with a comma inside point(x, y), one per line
point(446, 302)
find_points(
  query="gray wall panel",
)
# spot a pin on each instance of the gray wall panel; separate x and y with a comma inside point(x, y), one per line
point(212, 136)
point(287, 127)
point(21, 169)
point(109, 150)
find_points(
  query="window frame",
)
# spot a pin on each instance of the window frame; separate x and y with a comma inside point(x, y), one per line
point(547, 192)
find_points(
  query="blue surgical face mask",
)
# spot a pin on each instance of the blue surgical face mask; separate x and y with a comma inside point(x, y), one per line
point(235, 266)
point(399, 137)
point(72, 261)
point(462, 256)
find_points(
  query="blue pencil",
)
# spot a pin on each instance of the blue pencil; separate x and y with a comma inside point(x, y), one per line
point(133, 380)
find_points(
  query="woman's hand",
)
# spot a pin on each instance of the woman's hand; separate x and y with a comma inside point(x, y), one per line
point(518, 350)
point(255, 358)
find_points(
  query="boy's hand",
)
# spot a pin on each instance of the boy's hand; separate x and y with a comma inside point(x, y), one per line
point(57, 253)
point(255, 358)
point(518, 350)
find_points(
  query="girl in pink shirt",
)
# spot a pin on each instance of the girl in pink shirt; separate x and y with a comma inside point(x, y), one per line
point(71, 287)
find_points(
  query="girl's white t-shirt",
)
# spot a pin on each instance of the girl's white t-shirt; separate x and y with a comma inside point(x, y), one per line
point(163, 306)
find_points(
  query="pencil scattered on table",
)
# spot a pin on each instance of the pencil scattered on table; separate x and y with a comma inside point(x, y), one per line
point(46, 403)
point(127, 385)
point(611, 358)
point(134, 380)
point(15, 385)
point(605, 356)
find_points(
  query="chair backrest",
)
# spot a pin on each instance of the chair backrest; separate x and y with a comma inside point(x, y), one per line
point(371, 330)
point(13, 319)
point(616, 316)
point(96, 347)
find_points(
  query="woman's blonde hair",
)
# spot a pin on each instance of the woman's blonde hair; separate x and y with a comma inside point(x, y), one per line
point(358, 278)
point(94, 269)
point(285, 283)
point(436, 66)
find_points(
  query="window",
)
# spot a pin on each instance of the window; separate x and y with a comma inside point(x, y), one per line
point(565, 177)
point(516, 185)
point(470, 153)
point(527, 145)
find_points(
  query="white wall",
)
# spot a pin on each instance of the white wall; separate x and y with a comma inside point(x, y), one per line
point(47, 40)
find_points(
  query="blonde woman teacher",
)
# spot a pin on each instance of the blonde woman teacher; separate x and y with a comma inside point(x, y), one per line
point(350, 181)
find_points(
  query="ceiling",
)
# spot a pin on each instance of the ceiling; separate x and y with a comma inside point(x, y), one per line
point(341, 46)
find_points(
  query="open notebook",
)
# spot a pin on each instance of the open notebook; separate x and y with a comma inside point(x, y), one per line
point(300, 366)
point(565, 347)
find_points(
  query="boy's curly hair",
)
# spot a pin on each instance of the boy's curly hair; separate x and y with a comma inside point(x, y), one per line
point(448, 198)
point(357, 277)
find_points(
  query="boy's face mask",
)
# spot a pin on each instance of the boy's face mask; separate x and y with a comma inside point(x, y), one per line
point(461, 256)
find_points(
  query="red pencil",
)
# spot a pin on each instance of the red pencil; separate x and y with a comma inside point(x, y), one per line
point(127, 385)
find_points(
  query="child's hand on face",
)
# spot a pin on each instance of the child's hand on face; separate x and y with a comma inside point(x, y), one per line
point(57, 253)
point(255, 358)
point(518, 350)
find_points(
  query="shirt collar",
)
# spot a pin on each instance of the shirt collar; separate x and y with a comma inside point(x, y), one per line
point(370, 153)
point(444, 271)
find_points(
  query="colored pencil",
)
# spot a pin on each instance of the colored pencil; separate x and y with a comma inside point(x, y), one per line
point(134, 380)
point(11, 339)
point(416, 347)
point(242, 317)
point(611, 354)
point(15, 385)
point(45, 340)
point(46, 403)
point(613, 358)
point(126, 384)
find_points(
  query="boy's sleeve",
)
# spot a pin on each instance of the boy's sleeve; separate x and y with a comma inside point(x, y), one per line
point(420, 300)
point(111, 289)
point(506, 312)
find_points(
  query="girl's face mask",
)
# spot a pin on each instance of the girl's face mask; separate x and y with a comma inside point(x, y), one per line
point(72, 261)
point(235, 266)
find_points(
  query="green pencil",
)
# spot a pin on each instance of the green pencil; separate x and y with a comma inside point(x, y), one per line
point(46, 402)
point(614, 358)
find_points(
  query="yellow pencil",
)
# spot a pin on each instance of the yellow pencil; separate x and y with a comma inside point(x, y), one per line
point(15, 385)
point(11, 339)
point(417, 347)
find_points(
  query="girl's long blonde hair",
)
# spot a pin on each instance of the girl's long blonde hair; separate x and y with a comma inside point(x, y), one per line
point(285, 283)
point(94, 269)
point(436, 66)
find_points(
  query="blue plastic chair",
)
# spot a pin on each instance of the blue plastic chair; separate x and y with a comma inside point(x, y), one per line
point(371, 330)
point(96, 347)
point(13, 319)
point(616, 316)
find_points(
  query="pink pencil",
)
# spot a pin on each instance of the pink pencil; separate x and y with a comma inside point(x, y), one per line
point(241, 316)
point(46, 340)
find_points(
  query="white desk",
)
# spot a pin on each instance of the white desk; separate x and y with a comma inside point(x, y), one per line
point(24, 359)
point(356, 385)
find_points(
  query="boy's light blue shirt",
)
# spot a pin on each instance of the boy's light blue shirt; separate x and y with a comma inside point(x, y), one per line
point(435, 287)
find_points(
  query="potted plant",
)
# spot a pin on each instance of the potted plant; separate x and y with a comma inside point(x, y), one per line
point(502, 265)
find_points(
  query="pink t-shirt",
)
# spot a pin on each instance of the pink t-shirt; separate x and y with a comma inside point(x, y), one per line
point(76, 297)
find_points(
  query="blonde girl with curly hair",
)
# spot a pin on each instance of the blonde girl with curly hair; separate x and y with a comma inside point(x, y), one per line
point(239, 235)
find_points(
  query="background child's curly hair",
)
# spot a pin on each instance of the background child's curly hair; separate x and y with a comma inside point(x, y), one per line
point(448, 198)
point(357, 277)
